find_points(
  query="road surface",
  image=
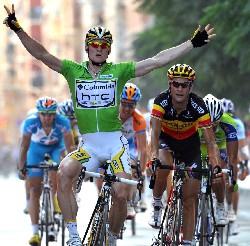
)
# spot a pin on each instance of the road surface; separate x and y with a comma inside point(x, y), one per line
point(15, 226)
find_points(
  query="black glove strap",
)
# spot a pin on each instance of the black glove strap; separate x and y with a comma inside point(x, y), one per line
point(199, 38)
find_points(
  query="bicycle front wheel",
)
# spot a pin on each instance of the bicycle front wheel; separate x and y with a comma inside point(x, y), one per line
point(99, 227)
point(203, 221)
point(47, 216)
point(102, 239)
point(178, 223)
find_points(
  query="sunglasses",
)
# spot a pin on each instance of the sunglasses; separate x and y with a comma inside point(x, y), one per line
point(96, 45)
point(129, 105)
point(47, 113)
point(183, 85)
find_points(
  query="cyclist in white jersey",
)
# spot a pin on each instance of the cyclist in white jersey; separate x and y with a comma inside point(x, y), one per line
point(243, 156)
point(95, 87)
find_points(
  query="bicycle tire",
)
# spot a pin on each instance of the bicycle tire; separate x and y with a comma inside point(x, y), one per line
point(98, 231)
point(220, 235)
point(63, 231)
point(133, 226)
point(178, 222)
point(227, 232)
point(41, 217)
point(203, 221)
point(102, 239)
point(46, 221)
point(168, 237)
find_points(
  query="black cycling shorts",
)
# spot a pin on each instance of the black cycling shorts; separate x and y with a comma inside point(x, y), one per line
point(185, 150)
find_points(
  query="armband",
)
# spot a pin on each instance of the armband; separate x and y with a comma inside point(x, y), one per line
point(13, 26)
point(199, 38)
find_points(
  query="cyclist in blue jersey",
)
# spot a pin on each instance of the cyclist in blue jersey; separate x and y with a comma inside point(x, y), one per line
point(43, 132)
point(95, 87)
point(243, 158)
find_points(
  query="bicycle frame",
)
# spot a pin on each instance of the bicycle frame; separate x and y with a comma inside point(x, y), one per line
point(173, 214)
point(206, 227)
point(99, 217)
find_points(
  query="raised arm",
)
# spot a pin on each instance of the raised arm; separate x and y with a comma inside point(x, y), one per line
point(32, 46)
point(167, 56)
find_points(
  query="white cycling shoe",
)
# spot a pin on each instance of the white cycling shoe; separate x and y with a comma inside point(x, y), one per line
point(155, 219)
point(74, 241)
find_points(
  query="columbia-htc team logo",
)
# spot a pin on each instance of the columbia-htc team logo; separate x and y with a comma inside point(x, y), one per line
point(96, 94)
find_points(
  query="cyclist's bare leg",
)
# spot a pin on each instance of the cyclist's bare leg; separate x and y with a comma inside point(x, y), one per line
point(35, 193)
point(53, 182)
point(99, 182)
point(67, 176)
point(133, 189)
point(118, 210)
point(190, 192)
point(235, 201)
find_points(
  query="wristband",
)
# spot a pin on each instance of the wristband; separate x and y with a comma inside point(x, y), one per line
point(235, 185)
point(199, 38)
point(13, 26)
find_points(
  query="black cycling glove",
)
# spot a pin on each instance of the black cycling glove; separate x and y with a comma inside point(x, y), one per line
point(216, 170)
point(199, 38)
point(13, 26)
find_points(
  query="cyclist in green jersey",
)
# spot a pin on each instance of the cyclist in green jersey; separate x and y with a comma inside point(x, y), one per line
point(95, 87)
point(225, 132)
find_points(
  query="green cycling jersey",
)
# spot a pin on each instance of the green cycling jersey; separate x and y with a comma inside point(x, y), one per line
point(96, 100)
point(225, 131)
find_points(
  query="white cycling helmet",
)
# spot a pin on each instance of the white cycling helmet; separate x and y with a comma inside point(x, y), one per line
point(228, 105)
point(214, 106)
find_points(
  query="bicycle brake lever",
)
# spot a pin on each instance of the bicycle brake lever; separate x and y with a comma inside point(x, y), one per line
point(80, 180)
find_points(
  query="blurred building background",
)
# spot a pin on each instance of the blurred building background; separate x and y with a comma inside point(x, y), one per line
point(60, 25)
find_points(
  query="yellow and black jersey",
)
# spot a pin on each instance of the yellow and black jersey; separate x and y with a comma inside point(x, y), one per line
point(184, 125)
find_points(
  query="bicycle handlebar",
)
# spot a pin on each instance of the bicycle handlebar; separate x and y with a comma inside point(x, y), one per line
point(157, 164)
point(108, 178)
point(48, 163)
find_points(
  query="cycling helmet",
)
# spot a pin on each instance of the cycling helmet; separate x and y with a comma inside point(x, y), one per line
point(228, 105)
point(46, 104)
point(131, 92)
point(66, 108)
point(181, 71)
point(98, 33)
point(214, 106)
